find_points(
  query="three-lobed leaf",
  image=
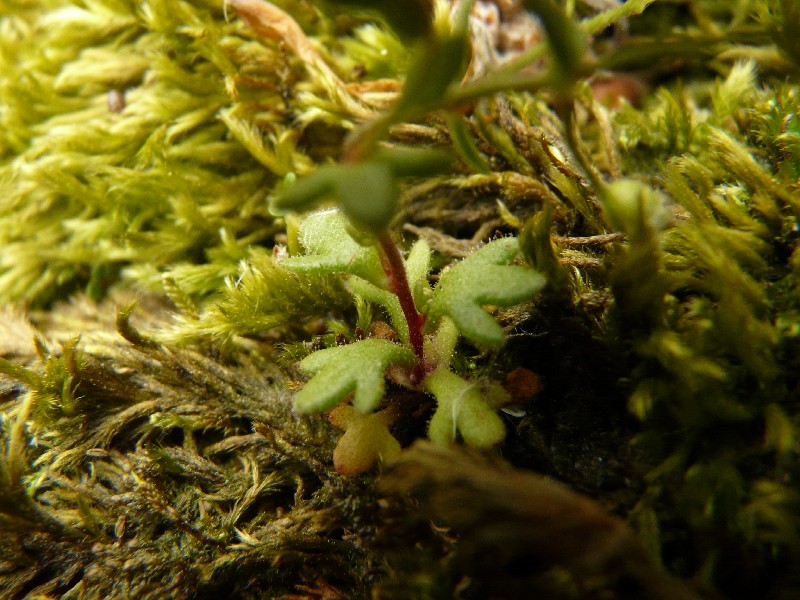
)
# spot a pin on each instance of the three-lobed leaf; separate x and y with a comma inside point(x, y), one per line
point(359, 368)
point(331, 249)
point(484, 278)
point(366, 440)
point(462, 409)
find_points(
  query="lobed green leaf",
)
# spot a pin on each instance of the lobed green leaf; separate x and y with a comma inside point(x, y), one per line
point(461, 408)
point(331, 249)
point(357, 367)
point(480, 279)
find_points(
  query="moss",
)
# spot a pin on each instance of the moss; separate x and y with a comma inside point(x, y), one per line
point(150, 450)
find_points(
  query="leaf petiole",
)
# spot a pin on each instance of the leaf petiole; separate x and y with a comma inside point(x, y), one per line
point(394, 266)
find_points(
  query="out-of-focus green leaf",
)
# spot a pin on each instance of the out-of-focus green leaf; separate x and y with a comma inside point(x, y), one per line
point(367, 191)
point(565, 37)
point(410, 19)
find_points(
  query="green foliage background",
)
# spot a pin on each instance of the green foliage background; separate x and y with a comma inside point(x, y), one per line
point(155, 454)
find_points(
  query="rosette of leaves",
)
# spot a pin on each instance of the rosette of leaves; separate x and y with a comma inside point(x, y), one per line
point(349, 379)
point(353, 241)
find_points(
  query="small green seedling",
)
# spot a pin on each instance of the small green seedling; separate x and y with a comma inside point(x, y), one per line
point(349, 379)
point(354, 242)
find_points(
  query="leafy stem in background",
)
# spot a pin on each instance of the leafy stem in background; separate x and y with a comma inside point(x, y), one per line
point(440, 63)
point(434, 81)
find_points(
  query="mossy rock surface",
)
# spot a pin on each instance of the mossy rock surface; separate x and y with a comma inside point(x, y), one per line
point(150, 338)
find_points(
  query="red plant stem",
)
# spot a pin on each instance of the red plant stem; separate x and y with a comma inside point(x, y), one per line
point(395, 269)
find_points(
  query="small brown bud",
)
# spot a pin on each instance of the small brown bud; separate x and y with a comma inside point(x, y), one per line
point(523, 384)
point(382, 331)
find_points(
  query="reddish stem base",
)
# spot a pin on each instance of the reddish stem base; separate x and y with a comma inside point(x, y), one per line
point(395, 269)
